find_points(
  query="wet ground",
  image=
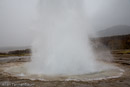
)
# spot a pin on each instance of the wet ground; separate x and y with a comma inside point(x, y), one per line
point(122, 61)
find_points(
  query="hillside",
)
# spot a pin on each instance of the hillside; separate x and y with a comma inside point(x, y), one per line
point(115, 30)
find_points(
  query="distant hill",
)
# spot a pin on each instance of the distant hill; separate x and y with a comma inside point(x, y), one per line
point(7, 49)
point(115, 30)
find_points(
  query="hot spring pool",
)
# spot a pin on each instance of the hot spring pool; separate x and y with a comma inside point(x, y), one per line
point(17, 70)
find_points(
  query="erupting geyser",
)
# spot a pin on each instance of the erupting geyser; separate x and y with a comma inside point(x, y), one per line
point(62, 50)
point(62, 45)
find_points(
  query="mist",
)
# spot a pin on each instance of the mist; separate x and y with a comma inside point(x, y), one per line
point(17, 18)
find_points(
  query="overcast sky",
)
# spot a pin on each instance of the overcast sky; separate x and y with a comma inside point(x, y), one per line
point(17, 17)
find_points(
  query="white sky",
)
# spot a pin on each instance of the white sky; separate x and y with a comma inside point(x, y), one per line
point(17, 17)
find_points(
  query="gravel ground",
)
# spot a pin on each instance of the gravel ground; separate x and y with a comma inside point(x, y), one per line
point(123, 81)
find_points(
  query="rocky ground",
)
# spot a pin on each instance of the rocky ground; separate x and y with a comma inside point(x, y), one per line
point(122, 60)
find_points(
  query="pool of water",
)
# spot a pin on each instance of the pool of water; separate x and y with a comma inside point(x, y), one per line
point(17, 70)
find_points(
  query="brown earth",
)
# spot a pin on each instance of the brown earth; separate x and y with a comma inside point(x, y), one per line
point(122, 60)
point(119, 42)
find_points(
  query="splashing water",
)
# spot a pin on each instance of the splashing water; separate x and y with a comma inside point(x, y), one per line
point(62, 45)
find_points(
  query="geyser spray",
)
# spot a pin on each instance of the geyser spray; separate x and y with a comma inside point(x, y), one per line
point(62, 45)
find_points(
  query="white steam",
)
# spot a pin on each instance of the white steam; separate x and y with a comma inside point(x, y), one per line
point(62, 45)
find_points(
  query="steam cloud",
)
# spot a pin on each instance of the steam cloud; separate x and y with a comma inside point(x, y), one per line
point(62, 45)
